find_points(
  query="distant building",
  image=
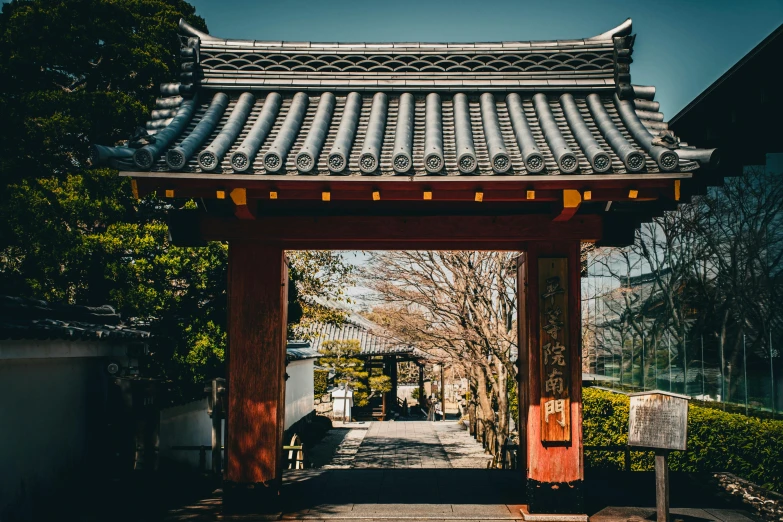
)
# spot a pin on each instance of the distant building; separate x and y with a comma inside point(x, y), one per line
point(378, 349)
point(741, 112)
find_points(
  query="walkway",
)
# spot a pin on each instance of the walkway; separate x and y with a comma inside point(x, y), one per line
point(384, 471)
point(408, 445)
point(395, 445)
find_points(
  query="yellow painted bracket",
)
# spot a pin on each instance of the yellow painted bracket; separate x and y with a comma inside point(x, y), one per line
point(571, 201)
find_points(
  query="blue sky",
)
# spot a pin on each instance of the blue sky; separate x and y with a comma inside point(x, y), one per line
point(681, 48)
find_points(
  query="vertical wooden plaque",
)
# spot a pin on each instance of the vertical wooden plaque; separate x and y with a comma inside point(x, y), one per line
point(554, 352)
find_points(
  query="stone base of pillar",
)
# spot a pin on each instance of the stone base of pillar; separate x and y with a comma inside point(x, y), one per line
point(551, 517)
point(244, 499)
point(555, 499)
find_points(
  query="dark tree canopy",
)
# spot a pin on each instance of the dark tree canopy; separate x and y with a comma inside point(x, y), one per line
point(78, 72)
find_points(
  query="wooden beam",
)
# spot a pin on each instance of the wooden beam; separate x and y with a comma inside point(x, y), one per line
point(396, 188)
point(362, 231)
point(257, 304)
point(242, 208)
point(571, 201)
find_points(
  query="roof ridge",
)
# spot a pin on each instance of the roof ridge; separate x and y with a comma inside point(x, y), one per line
point(186, 29)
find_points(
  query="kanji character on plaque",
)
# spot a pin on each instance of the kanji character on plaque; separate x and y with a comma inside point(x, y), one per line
point(553, 407)
point(552, 288)
point(555, 382)
point(553, 324)
point(554, 353)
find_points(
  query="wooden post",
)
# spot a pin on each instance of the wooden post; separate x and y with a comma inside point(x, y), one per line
point(442, 396)
point(217, 432)
point(421, 385)
point(257, 303)
point(393, 382)
point(662, 484)
point(523, 360)
point(553, 377)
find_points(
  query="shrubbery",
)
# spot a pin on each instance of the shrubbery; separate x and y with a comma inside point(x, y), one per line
point(717, 441)
point(320, 383)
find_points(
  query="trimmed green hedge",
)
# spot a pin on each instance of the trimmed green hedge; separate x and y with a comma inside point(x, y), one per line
point(717, 441)
point(320, 382)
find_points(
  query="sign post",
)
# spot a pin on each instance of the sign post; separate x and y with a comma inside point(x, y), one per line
point(659, 420)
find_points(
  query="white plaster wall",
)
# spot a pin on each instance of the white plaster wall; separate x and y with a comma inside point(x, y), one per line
point(404, 392)
point(298, 391)
point(51, 410)
point(186, 425)
point(189, 424)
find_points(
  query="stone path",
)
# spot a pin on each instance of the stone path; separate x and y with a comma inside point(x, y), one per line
point(345, 453)
point(394, 445)
point(463, 450)
point(407, 445)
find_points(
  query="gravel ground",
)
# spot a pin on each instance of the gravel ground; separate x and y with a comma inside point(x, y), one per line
point(766, 504)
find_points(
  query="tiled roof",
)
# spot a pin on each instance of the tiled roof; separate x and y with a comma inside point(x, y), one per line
point(300, 350)
point(371, 337)
point(411, 109)
point(22, 318)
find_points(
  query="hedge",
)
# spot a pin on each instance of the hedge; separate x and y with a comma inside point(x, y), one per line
point(717, 441)
point(320, 383)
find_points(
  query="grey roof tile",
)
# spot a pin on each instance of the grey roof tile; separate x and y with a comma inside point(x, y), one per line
point(393, 89)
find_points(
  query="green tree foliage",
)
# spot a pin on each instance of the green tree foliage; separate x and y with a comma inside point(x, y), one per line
point(348, 369)
point(717, 441)
point(77, 72)
point(380, 383)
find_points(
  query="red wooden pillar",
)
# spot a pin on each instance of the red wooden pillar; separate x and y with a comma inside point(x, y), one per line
point(257, 305)
point(551, 376)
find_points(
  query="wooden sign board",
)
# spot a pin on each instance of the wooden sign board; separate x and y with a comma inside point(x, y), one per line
point(658, 420)
point(555, 350)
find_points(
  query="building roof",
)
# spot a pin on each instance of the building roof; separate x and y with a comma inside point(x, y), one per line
point(22, 318)
point(372, 338)
point(505, 109)
point(300, 350)
point(733, 71)
point(739, 112)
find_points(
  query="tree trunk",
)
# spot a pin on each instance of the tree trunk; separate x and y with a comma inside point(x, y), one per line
point(501, 432)
point(472, 416)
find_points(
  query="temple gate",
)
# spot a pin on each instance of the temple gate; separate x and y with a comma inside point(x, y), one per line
point(526, 146)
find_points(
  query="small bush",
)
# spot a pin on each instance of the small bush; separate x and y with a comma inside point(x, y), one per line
point(717, 441)
point(320, 382)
